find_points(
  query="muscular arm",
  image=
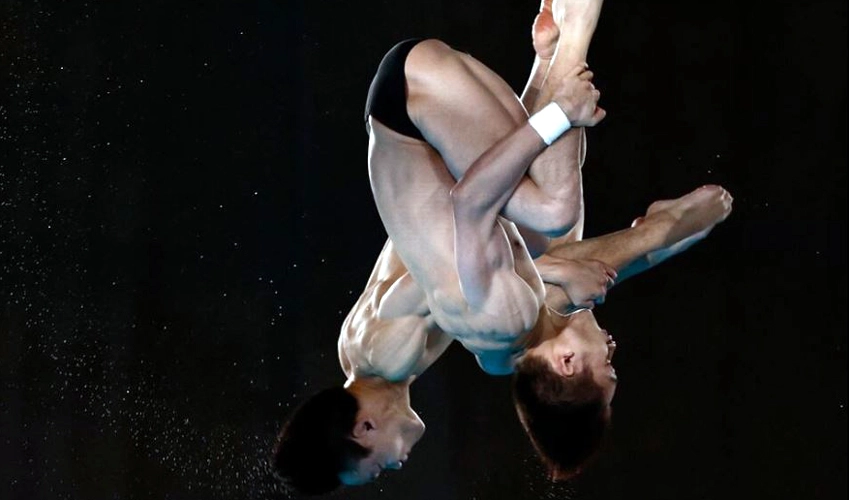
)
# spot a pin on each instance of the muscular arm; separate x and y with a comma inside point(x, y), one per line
point(485, 188)
point(490, 181)
point(477, 200)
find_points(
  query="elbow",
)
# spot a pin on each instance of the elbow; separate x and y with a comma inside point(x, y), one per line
point(462, 198)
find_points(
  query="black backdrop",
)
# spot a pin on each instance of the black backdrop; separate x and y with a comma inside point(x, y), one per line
point(185, 218)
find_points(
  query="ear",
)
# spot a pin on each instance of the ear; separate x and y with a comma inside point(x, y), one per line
point(567, 364)
point(362, 427)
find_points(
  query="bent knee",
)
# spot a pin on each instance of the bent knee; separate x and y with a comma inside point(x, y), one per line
point(428, 55)
point(433, 64)
point(559, 217)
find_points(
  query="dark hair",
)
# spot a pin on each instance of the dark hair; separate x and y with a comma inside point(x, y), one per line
point(565, 417)
point(315, 445)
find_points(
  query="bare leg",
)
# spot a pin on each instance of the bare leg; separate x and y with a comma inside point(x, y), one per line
point(669, 227)
point(558, 46)
point(575, 26)
point(452, 95)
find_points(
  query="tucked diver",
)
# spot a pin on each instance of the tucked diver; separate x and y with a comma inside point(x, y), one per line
point(446, 163)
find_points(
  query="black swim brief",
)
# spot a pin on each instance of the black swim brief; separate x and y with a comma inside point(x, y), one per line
point(387, 100)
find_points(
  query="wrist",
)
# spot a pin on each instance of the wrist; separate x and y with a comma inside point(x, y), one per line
point(550, 122)
point(568, 108)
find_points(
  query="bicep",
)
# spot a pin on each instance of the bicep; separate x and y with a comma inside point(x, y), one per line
point(475, 256)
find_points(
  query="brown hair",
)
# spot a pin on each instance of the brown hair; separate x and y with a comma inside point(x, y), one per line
point(566, 418)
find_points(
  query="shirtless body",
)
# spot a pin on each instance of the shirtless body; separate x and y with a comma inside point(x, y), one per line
point(460, 267)
point(477, 275)
point(456, 266)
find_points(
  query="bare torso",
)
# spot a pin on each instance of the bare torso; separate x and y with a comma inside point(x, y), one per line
point(440, 200)
point(389, 333)
point(411, 185)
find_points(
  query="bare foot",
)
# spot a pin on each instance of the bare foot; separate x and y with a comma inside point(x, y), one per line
point(690, 218)
point(544, 31)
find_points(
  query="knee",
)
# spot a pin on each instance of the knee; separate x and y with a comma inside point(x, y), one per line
point(429, 58)
point(431, 50)
point(559, 217)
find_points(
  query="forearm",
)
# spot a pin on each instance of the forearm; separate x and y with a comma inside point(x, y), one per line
point(477, 200)
point(491, 179)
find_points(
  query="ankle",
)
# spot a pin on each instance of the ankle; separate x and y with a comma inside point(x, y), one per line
point(655, 228)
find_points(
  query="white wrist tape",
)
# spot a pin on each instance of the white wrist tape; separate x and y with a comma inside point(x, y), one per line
point(550, 122)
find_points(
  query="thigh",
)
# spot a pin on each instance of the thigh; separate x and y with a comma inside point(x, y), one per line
point(461, 107)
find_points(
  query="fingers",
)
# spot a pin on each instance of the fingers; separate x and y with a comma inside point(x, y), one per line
point(587, 304)
point(598, 116)
point(579, 69)
point(586, 75)
point(609, 272)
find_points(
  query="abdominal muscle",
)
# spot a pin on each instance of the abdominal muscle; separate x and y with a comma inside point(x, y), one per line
point(509, 312)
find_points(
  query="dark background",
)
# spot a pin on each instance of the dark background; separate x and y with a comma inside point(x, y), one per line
point(185, 219)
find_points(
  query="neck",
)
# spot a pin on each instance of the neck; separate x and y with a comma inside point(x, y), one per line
point(550, 324)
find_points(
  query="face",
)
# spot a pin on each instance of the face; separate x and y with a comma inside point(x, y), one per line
point(592, 349)
point(390, 440)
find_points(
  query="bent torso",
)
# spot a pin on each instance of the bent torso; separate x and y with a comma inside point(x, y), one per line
point(411, 185)
point(389, 332)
